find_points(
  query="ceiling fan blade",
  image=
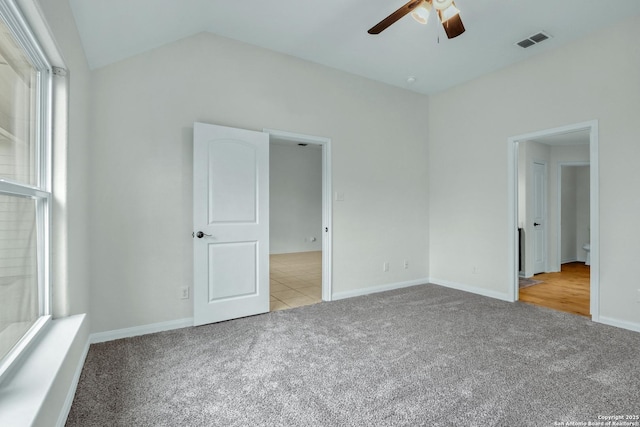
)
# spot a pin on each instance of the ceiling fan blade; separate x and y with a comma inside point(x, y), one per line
point(386, 22)
point(453, 26)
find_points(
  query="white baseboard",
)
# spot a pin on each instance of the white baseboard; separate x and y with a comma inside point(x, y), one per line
point(66, 408)
point(140, 330)
point(375, 289)
point(472, 289)
point(632, 326)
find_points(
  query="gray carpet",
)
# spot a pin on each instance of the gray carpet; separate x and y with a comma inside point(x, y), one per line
point(424, 355)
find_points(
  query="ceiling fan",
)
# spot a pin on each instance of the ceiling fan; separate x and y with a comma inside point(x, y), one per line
point(448, 13)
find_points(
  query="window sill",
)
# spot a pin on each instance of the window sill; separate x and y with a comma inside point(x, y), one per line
point(39, 391)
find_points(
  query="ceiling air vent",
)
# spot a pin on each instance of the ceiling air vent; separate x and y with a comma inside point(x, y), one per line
point(534, 39)
point(525, 43)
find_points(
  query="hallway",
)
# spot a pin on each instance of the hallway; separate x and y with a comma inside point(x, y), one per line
point(567, 290)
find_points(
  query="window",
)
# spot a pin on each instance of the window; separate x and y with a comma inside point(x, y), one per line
point(25, 194)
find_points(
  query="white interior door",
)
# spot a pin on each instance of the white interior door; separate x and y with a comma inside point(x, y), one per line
point(539, 217)
point(231, 223)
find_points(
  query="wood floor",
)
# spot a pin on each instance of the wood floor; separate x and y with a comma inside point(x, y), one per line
point(567, 290)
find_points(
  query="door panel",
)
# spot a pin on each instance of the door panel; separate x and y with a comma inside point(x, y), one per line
point(231, 210)
point(225, 279)
point(233, 188)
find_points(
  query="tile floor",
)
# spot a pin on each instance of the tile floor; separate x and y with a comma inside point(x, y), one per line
point(296, 280)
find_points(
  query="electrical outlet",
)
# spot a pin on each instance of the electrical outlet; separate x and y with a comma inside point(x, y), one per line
point(385, 266)
point(184, 292)
point(475, 270)
point(406, 264)
point(638, 299)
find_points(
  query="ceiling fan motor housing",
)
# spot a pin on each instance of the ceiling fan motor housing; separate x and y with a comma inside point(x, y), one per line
point(441, 4)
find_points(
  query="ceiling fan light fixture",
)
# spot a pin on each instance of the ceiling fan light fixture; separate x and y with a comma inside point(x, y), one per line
point(421, 13)
point(442, 4)
point(448, 13)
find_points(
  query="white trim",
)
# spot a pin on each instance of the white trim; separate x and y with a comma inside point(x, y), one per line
point(22, 190)
point(594, 184)
point(11, 360)
point(512, 210)
point(376, 289)
point(513, 247)
point(32, 12)
point(632, 326)
point(135, 331)
point(327, 222)
point(26, 392)
point(22, 34)
point(66, 407)
point(472, 289)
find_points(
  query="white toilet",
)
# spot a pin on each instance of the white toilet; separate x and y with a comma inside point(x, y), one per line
point(587, 248)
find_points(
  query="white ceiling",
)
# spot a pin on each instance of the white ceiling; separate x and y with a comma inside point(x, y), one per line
point(334, 32)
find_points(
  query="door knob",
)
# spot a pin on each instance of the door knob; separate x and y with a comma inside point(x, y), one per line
point(535, 224)
point(200, 234)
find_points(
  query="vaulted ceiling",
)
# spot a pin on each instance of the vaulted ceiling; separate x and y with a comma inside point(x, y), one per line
point(334, 32)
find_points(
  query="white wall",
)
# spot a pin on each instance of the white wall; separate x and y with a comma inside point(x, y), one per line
point(568, 213)
point(141, 167)
point(592, 78)
point(295, 198)
point(71, 291)
point(583, 214)
point(576, 215)
point(562, 154)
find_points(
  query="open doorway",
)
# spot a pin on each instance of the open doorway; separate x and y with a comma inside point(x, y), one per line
point(555, 229)
point(568, 289)
point(299, 220)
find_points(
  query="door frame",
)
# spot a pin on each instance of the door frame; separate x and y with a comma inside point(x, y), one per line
point(512, 208)
point(327, 233)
